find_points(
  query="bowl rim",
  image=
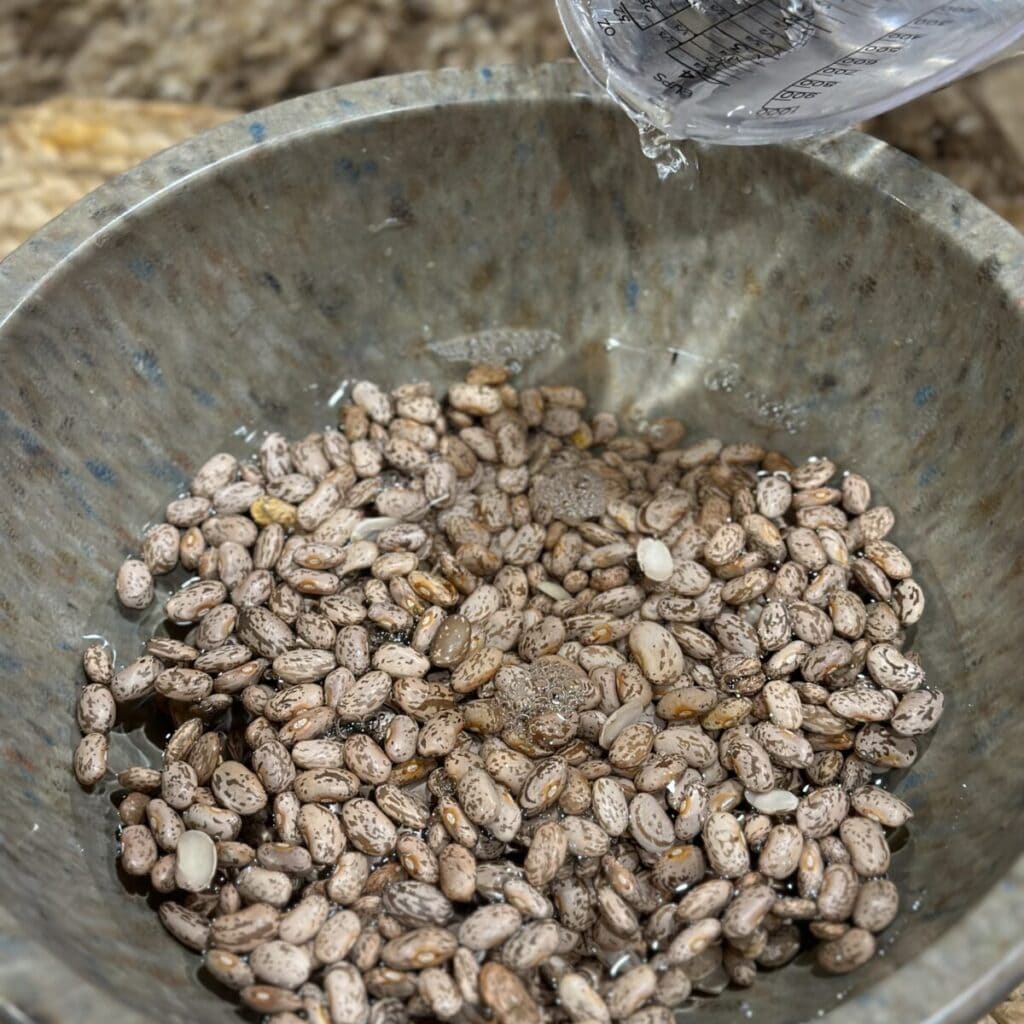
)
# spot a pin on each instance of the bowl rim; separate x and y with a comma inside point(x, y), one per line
point(964, 972)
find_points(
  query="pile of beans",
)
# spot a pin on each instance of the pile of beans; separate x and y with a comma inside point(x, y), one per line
point(482, 710)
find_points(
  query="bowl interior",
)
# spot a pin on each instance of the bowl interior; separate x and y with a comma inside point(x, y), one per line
point(779, 300)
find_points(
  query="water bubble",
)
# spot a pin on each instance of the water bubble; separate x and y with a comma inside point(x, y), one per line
point(723, 377)
point(571, 493)
point(499, 345)
point(549, 684)
point(559, 683)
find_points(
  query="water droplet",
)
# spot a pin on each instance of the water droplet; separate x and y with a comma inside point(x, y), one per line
point(569, 492)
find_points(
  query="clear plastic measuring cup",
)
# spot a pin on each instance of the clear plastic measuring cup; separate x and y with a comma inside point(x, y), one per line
point(746, 72)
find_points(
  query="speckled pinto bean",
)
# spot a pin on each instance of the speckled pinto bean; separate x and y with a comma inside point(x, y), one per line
point(477, 707)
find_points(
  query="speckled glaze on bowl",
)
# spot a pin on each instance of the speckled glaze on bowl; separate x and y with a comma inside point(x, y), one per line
point(834, 296)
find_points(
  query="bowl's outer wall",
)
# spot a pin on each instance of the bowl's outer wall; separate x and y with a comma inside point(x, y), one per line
point(787, 298)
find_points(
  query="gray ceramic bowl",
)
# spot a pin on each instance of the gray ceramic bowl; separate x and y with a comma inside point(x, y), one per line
point(835, 297)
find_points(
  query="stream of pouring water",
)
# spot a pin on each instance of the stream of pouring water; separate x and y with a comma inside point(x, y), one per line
point(668, 156)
